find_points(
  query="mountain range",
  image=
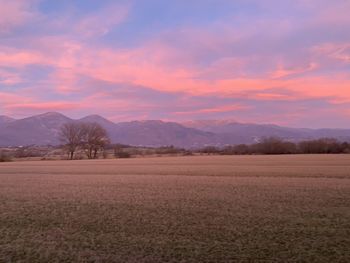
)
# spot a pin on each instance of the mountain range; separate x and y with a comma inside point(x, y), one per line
point(43, 129)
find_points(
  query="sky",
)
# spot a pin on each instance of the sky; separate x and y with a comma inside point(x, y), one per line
point(259, 61)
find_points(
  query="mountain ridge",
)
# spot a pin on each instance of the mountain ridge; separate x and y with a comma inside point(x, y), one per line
point(5, 119)
point(43, 129)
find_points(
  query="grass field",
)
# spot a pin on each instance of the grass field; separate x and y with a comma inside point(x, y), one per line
point(177, 209)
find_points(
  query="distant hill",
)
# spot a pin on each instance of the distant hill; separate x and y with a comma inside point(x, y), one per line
point(153, 133)
point(5, 119)
point(235, 132)
point(40, 129)
point(43, 129)
point(98, 119)
point(248, 132)
point(159, 133)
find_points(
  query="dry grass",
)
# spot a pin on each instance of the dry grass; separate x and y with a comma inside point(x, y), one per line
point(180, 209)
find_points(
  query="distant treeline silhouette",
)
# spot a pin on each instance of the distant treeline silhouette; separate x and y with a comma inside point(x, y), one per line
point(274, 145)
point(93, 142)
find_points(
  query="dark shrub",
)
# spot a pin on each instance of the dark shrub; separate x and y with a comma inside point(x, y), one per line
point(121, 153)
point(5, 157)
point(274, 146)
point(169, 150)
point(210, 150)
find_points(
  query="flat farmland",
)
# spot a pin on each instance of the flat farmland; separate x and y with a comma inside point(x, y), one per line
point(177, 209)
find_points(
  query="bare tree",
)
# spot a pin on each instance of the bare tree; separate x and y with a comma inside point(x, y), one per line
point(70, 136)
point(94, 139)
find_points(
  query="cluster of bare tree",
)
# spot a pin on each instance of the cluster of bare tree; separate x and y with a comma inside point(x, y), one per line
point(278, 146)
point(89, 137)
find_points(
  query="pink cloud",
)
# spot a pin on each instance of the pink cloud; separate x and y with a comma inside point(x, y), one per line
point(148, 66)
point(12, 104)
point(102, 21)
point(14, 13)
point(8, 78)
point(282, 71)
point(18, 58)
point(218, 61)
point(137, 67)
point(42, 106)
point(6, 98)
point(338, 51)
point(218, 109)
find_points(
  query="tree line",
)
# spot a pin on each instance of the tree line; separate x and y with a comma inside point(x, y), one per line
point(92, 138)
point(274, 145)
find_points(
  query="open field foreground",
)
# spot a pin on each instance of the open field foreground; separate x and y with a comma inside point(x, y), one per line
point(177, 209)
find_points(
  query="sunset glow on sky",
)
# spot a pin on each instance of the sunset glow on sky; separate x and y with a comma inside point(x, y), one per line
point(265, 61)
